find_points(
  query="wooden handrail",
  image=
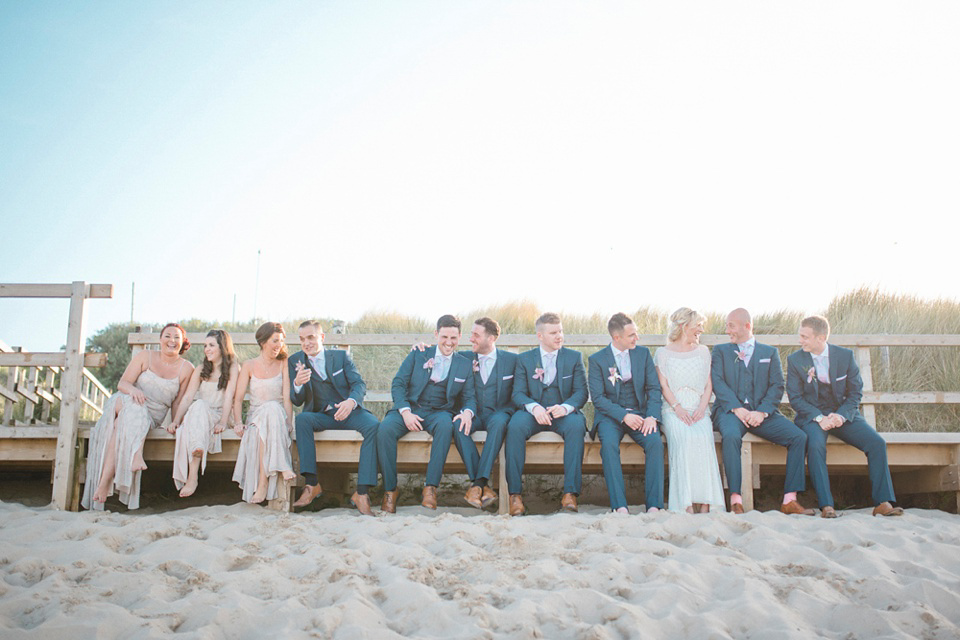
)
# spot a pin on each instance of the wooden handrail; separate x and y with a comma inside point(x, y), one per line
point(51, 359)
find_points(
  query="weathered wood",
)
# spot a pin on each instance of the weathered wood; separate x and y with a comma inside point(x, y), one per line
point(54, 290)
point(30, 393)
point(70, 400)
point(927, 479)
point(746, 473)
point(52, 359)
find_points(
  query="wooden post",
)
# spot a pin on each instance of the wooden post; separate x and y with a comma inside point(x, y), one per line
point(866, 372)
point(70, 404)
point(31, 382)
point(49, 384)
point(12, 374)
point(746, 475)
point(504, 506)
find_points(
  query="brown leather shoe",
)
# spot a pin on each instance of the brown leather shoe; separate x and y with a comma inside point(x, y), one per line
point(887, 509)
point(429, 497)
point(828, 512)
point(489, 497)
point(389, 504)
point(473, 497)
point(795, 508)
point(737, 508)
point(569, 502)
point(309, 495)
point(362, 503)
point(516, 505)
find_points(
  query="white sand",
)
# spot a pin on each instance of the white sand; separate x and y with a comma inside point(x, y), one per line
point(243, 572)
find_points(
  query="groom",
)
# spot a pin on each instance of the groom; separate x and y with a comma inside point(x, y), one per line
point(626, 399)
point(331, 391)
point(429, 384)
point(748, 384)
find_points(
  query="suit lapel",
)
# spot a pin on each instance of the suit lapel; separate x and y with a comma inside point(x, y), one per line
point(638, 374)
point(451, 373)
point(496, 373)
point(834, 355)
point(610, 361)
point(421, 376)
point(538, 385)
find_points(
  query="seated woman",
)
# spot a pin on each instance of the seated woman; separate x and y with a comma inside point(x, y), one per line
point(200, 421)
point(266, 438)
point(152, 384)
point(683, 367)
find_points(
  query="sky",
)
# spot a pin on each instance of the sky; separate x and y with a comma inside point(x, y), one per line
point(435, 157)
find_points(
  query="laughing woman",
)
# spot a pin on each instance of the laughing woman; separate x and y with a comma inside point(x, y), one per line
point(152, 384)
point(266, 437)
point(199, 422)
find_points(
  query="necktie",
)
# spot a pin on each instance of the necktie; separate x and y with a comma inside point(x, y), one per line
point(823, 373)
point(625, 374)
point(549, 368)
point(441, 363)
point(485, 366)
point(317, 362)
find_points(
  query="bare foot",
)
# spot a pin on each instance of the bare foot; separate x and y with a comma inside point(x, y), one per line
point(198, 453)
point(100, 495)
point(289, 475)
point(260, 495)
point(139, 464)
point(188, 488)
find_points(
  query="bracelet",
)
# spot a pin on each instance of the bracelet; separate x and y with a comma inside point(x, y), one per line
point(674, 405)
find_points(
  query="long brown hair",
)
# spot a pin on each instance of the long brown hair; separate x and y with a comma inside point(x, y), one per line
point(227, 356)
point(266, 331)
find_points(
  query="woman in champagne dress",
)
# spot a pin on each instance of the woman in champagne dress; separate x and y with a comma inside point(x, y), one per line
point(152, 384)
point(199, 423)
point(266, 438)
point(683, 367)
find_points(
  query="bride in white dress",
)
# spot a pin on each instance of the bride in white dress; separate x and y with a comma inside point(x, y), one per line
point(683, 367)
point(199, 422)
point(152, 384)
point(267, 436)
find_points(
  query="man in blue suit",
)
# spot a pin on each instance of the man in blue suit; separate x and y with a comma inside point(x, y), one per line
point(748, 384)
point(551, 385)
point(427, 387)
point(825, 388)
point(626, 399)
point(331, 391)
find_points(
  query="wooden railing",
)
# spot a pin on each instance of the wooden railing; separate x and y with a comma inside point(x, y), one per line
point(45, 378)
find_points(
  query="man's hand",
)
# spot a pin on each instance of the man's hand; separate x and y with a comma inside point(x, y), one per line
point(466, 421)
point(542, 416)
point(344, 409)
point(633, 421)
point(557, 411)
point(303, 375)
point(420, 346)
point(649, 426)
point(836, 420)
point(412, 421)
point(742, 415)
point(755, 418)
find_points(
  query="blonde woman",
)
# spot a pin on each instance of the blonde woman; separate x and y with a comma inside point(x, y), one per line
point(199, 422)
point(683, 367)
point(266, 437)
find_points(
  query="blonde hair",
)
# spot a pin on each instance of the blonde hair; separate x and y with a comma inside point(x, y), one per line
point(818, 324)
point(681, 318)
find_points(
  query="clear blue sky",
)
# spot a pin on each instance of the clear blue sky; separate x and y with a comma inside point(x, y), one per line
point(435, 156)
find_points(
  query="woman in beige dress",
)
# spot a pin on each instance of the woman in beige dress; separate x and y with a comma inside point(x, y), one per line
point(199, 422)
point(152, 384)
point(266, 436)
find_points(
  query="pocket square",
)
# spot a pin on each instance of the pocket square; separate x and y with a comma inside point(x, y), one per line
point(338, 372)
point(841, 378)
point(762, 360)
point(508, 377)
point(569, 376)
point(459, 379)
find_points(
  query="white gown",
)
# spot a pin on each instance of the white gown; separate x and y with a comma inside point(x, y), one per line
point(267, 424)
point(691, 452)
point(131, 426)
point(196, 431)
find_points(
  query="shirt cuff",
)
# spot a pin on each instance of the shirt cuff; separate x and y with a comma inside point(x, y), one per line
point(568, 407)
point(530, 406)
point(403, 409)
point(297, 388)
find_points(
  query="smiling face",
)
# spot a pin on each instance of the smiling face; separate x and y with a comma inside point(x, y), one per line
point(171, 341)
point(691, 333)
point(550, 336)
point(738, 330)
point(483, 343)
point(811, 342)
point(311, 340)
point(626, 339)
point(211, 350)
point(272, 347)
point(447, 339)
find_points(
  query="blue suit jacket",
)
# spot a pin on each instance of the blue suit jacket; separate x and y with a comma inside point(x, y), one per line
point(726, 372)
point(571, 377)
point(503, 371)
point(413, 376)
point(845, 381)
point(606, 394)
point(340, 371)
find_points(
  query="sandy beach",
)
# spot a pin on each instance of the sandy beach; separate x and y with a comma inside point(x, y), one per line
point(244, 572)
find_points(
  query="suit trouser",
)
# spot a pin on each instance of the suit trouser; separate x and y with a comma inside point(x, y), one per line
point(611, 433)
point(438, 424)
point(481, 465)
point(573, 428)
point(359, 420)
point(862, 436)
point(777, 430)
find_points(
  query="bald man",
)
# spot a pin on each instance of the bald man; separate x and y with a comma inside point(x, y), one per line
point(748, 382)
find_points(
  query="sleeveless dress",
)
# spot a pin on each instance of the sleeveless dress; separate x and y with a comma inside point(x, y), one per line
point(267, 424)
point(196, 430)
point(691, 452)
point(131, 426)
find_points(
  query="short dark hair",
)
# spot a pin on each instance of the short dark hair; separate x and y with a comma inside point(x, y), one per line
point(618, 322)
point(548, 318)
point(311, 323)
point(489, 325)
point(819, 324)
point(448, 321)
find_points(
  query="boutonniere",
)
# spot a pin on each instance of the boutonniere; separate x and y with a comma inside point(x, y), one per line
point(811, 374)
point(538, 374)
point(476, 366)
point(428, 364)
point(614, 376)
point(742, 356)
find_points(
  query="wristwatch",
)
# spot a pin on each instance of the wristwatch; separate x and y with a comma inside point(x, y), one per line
point(819, 418)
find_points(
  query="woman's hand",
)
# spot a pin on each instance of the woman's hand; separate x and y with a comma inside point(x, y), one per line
point(138, 396)
point(683, 415)
point(172, 428)
point(220, 427)
point(699, 413)
point(238, 429)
